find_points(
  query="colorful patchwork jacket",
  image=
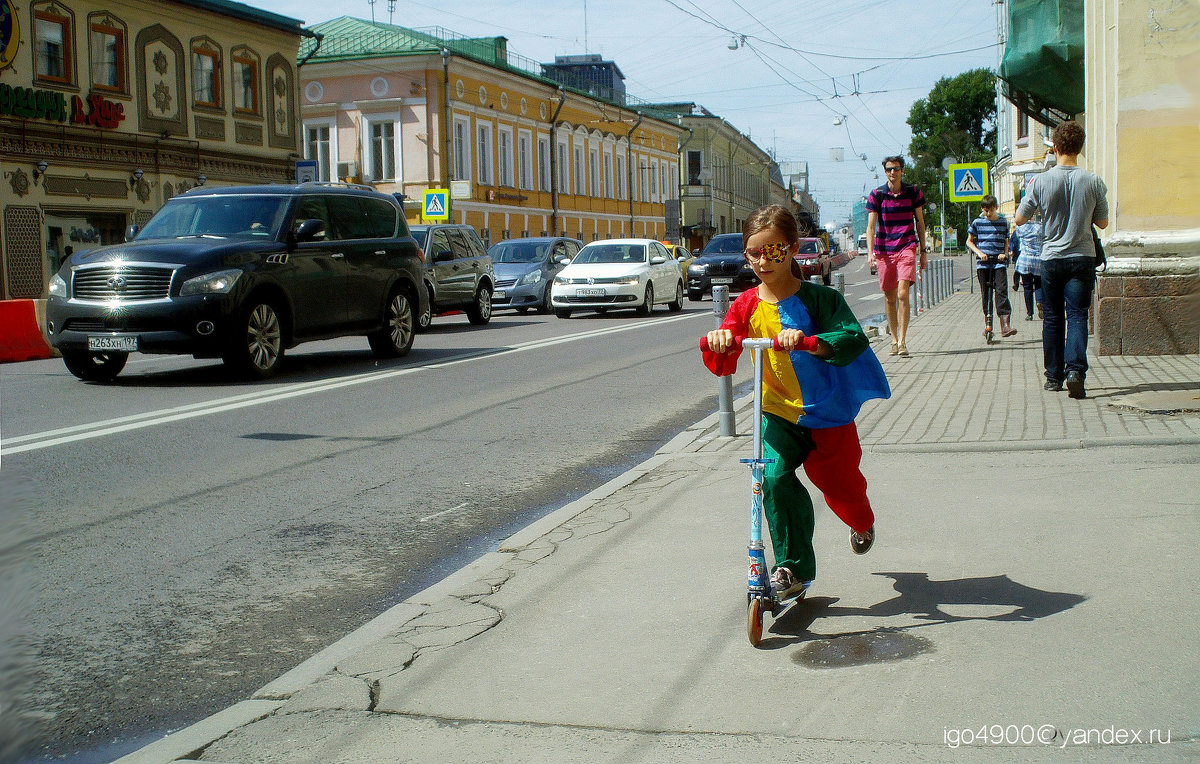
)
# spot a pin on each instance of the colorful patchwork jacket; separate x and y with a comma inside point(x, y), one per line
point(798, 386)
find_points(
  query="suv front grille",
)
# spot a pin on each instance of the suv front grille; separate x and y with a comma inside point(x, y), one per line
point(122, 283)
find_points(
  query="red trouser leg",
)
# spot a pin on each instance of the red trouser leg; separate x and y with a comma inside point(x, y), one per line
point(833, 469)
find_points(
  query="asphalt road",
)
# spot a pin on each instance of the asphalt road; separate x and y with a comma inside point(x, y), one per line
point(183, 539)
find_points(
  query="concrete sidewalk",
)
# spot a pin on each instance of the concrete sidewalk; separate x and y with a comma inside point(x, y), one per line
point(1030, 597)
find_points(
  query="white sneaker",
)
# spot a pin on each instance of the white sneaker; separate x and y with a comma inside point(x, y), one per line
point(861, 543)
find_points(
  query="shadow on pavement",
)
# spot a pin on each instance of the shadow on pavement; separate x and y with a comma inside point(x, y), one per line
point(990, 598)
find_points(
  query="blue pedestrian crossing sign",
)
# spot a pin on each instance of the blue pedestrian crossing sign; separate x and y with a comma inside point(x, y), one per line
point(968, 182)
point(433, 204)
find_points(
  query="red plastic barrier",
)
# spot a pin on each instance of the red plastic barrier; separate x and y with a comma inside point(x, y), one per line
point(21, 336)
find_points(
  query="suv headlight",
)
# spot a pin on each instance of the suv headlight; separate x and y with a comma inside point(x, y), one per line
point(220, 282)
point(58, 287)
point(697, 270)
point(532, 277)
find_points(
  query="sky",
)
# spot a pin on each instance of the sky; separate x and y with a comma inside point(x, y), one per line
point(806, 78)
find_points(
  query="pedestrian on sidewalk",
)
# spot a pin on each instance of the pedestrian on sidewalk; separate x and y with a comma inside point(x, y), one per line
point(895, 234)
point(1027, 244)
point(1071, 201)
point(812, 391)
point(987, 237)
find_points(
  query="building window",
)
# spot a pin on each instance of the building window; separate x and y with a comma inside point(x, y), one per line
point(621, 176)
point(1022, 125)
point(564, 172)
point(381, 148)
point(608, 175)
point(543, 164)
point(206, 77)
point(594, 172)
point(245, 83)
point(579, 171)
point(107, 45)
point(462, 150)
point(317, 146)
point(694, 165)
point(483, 152)
point(54, 54)
point(651, 193)
point(663, 174)
point(525, 160)
point(504, 157)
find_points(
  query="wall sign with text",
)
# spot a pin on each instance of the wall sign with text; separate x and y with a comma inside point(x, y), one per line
point(32, 103)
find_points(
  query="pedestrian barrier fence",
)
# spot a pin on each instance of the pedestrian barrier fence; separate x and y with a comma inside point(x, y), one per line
point(934, 284)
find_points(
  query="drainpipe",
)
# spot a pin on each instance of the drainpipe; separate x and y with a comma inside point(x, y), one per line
point(629, 167)
point(316, 36)
point(562, 98)
point(447, 129)
point(682, 169)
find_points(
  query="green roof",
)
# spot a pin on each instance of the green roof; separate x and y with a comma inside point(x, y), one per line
point(347, 38)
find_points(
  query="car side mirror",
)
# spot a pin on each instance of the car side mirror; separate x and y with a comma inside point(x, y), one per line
point(562, 259)
point(131, 232)
point(657, 260)
point(310, 229)
point(442, 255)
point(696, 251)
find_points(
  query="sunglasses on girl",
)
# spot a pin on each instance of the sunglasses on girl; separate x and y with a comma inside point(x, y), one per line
point(776, 253)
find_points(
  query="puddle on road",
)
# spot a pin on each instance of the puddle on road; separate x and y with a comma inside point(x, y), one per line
point(862, 649)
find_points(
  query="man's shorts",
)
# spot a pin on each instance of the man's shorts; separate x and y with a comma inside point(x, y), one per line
point(893, 269)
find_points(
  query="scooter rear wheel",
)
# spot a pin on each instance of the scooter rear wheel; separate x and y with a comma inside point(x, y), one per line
point(754, 621)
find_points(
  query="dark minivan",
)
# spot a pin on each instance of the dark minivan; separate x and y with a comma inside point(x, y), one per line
point(242, 274)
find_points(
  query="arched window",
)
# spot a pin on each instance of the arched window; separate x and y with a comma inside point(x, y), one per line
point(108, 53)
point(206, 73)
point(54, 44)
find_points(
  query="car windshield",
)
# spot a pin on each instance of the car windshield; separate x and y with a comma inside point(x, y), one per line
point(519, 252)
point(729, 243)
point(611, 253)
point(225, 216)
point(809, 247)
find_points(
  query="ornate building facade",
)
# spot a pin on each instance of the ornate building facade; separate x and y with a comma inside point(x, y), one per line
point(108, 110)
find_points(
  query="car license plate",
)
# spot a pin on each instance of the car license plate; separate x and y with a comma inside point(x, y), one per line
point(124, 344)
point(499, 294)
point(590, 292)
point(722, 281)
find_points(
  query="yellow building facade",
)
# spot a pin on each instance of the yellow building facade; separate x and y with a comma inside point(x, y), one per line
point(1143, 126)
point(107, 109)
point(520, 154)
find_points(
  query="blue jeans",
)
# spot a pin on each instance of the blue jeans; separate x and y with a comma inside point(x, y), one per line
point(1066, 289)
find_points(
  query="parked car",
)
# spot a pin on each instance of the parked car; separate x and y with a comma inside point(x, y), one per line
point(242, 274)
point(525, 270)
point(619, 273)
point(720, 262)
point(814, 260)
point(458, 272)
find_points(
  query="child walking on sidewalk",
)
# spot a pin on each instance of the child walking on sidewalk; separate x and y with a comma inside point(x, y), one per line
point(812, 391)
point(987, 237)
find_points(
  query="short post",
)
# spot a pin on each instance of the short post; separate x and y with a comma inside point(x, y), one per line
point(720, 296)
point(839, 282)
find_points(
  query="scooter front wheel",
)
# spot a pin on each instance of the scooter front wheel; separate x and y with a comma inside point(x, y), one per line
point(754, 621)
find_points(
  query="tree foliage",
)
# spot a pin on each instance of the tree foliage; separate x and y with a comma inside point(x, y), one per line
point(957, 119)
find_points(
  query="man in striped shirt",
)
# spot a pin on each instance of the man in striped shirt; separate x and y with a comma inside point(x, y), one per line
point(987, 237)
point(895, 233)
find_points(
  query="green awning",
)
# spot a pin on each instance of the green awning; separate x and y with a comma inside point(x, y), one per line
point(1043, 58)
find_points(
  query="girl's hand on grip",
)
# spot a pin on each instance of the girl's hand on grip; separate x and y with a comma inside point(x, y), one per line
point(720, 340)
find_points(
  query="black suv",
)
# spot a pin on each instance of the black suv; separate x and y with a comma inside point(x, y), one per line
point(721, 262)
point(242, 273)
point(458, 272)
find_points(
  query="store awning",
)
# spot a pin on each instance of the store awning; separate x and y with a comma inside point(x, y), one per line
point(1042, 69)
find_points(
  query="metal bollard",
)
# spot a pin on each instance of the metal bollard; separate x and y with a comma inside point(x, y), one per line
point(720, 295)
point(839, 282)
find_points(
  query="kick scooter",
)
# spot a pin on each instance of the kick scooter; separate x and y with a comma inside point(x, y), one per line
point(988, 284)
point(761, 595)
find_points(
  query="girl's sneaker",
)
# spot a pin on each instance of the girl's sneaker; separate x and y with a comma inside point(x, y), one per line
point(785, 584)
point(861, 543)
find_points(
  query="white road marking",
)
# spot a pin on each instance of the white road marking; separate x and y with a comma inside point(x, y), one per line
point(876, 296)
point(39, 440)
point(443, 512)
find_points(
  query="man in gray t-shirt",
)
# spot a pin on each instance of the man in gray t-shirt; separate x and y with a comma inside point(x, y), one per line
point(1071, 201)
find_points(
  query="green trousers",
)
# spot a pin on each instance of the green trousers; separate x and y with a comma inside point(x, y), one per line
point(786, 502)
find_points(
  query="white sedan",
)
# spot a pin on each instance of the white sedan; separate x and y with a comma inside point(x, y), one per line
point(618, 273)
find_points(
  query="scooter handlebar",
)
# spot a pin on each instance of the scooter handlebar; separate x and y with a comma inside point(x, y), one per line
point(748, 343)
